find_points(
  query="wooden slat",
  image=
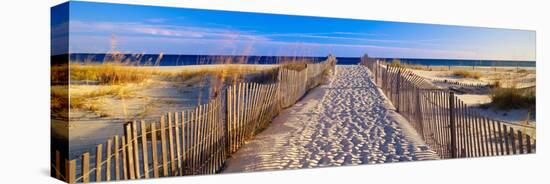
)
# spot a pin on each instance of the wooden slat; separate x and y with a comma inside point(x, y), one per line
point(117, 159)
point(242, 127)
point(236, 101)
point(213, 148)
point(108, 157)
point(441, 124)
point(70, 171)
point(210, 133)
point(513, 141)
point(506, 139)
point(136, 149)
point(501, 139)
point(86, 167)
point(520, 142)
point(462, 125)
point(124, 158)
point(240, 119)
point(57, 164)
point(528, 144)
point(205, 139)
point(200, 138)
point(446, 124)
point(469, 132)
point(492, 136)
point(178, 138)
point(184, 134)
point(98, 160)
point(479, 135)
point(154, 150)
point(130, 152)
point(194, 141)
point(229, 123)
point(485, 137)
point(171, 143)
point(163, 146)
point(247, 109)
point(474, 134)
point(144, 149)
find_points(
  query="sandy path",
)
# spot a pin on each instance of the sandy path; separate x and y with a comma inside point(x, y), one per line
point(346, 122)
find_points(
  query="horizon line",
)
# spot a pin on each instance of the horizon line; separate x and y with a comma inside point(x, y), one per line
point(466, 59)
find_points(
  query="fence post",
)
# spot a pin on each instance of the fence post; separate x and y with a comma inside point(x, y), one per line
point(375, 69)
point(228, 118)
point(397, 87)
point(453, 124)
point(385, 79)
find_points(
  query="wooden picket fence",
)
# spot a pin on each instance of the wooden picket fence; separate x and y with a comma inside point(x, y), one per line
point(194, 141)
point(250, 108)
point(477, 85)
point(294, 83)
point(445, 122)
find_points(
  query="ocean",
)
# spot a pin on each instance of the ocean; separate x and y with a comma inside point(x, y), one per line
point(178, 60)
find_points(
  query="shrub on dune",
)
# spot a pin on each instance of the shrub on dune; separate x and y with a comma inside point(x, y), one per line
point(512, 98)
point(467, 74)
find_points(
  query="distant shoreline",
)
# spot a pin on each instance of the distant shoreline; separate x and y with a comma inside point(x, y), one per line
point(185, 60)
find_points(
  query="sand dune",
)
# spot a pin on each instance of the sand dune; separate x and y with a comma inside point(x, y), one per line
point(346, 122)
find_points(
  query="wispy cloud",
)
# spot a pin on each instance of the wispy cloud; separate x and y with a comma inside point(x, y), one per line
point(144, 29)
point(266, 47)
point(334, 37)
point(156, 20)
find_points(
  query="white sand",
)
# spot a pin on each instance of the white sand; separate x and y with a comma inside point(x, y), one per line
point(514, 116)
point(475, 97)
point(346, 122)
point(507, 76)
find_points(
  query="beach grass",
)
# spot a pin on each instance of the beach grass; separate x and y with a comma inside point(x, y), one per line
point(467, 74)
point(398, 63)
point(512, 98)
point(296, 66)
point(59, 100)
point(111, 74)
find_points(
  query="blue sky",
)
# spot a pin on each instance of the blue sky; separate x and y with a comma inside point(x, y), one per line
point(151, 30)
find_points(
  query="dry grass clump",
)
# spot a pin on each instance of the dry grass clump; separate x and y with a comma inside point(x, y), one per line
point(91, 99)
point(467, 74)
point(294, 66)
point(59, 100)
point(59, 74)
point(523, 71)
point(512, 98)
point(297, 64)
point(221, 72)
point(398, 63)
point(109, 73)
point(395, 63)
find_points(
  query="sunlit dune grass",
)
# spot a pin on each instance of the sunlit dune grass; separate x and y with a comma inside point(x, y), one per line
point(94, 84)
point(91, 84)
point(467, 74)
point(109, 73)
point(398, 63)
point(59, 100)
